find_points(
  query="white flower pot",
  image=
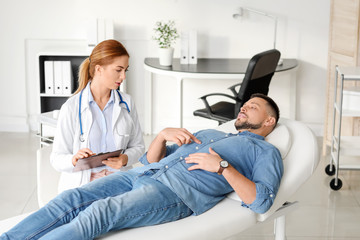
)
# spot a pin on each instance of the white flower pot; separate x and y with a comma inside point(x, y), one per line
point(166, 56)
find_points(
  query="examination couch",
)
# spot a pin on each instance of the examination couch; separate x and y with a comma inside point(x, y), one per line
point(300, 153)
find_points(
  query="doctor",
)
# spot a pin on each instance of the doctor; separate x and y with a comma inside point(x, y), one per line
point(97, 118)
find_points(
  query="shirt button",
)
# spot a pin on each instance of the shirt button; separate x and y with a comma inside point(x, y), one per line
point(166, 166)
point(196, 148)
point(271, 195)
point(226, 135)
point(181, 158)
point(212, 140)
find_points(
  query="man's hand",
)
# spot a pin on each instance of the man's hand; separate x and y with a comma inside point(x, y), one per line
point(245, 188)
point(205, 161)
point(116, 162)
point(179, 136)
point(82, 153)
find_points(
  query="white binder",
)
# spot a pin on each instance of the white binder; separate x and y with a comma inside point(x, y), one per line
point(67, 78)
point(58, 89)
point(184, 39)
point(49, 77)
point(192, 47)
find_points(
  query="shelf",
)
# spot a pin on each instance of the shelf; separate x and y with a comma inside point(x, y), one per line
point(350, 113)
point(53, 95)
point(347, 112)
point(349, 163)
point(350, 73)
point(349, 145)
point(48, 119)
point(50, 102)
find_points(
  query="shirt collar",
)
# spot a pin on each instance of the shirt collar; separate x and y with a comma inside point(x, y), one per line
point(91, 98)
point(250, 134)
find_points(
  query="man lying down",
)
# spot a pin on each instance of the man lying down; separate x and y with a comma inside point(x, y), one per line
point(187, 178)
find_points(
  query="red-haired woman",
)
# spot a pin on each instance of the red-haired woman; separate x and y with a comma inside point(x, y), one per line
point(97, 118)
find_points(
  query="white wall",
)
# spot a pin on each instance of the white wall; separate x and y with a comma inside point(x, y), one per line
point(302, 34)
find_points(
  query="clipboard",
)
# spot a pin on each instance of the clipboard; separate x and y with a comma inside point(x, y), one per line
point(95, 161)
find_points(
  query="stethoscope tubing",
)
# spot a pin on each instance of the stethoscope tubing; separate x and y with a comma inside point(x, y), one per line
point(81, 137)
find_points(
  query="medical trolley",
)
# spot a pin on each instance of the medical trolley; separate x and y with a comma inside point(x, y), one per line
point(346, 148)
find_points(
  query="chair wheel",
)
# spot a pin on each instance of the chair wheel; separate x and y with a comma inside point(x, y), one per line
point(328, 171)
point(335, 187)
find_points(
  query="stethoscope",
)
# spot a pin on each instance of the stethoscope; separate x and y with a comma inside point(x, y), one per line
point(81, 137)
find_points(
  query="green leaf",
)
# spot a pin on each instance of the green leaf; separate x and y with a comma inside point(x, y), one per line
point(165, 33)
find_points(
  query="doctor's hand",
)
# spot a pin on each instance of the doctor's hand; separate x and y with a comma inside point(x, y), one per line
point(179, 136)
point(116, 162)
point(82, 153)
point(206, 161)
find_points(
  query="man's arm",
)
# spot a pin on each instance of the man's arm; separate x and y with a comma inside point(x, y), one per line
point(245, 188)
point(157, 149)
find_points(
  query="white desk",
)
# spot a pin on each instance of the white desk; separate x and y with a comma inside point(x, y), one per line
point(214, 68)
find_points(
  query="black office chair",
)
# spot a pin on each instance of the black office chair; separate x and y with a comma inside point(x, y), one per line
point(257, 79)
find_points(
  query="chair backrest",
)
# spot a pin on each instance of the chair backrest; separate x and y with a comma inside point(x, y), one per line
point(258, 75)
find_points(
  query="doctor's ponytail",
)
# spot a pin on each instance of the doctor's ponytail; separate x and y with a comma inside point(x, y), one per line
point(103, 54)
point(84, 75)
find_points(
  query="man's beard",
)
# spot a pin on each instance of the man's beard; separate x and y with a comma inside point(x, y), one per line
point(246, 125)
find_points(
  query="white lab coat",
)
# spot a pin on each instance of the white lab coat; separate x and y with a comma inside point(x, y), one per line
point(126, 130)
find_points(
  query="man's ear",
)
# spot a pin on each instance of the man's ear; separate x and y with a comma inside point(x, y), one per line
point(270, 121)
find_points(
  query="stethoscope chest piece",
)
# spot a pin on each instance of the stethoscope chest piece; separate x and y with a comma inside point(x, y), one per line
point(81, 138)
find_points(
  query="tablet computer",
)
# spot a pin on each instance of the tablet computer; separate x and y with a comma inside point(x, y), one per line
point(95, 161)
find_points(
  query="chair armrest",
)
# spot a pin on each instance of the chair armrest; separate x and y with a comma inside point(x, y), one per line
point(207, 106)
point(232, 88)
point(218, 94)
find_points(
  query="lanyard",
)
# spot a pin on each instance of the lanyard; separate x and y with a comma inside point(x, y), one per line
point(81, 137)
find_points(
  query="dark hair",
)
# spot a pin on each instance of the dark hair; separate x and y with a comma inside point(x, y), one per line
point(274, 107)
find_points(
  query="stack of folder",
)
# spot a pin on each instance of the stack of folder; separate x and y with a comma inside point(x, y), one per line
point(188, 47)
point(58, 78)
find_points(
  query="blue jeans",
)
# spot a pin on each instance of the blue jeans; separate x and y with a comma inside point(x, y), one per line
point(121, 200)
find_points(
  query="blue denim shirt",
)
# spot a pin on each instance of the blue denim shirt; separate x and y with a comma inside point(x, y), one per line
point(200, 190)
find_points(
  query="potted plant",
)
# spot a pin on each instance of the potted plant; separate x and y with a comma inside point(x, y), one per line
point(165, 35)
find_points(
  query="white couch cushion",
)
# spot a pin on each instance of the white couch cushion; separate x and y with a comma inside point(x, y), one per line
point(281, 139)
